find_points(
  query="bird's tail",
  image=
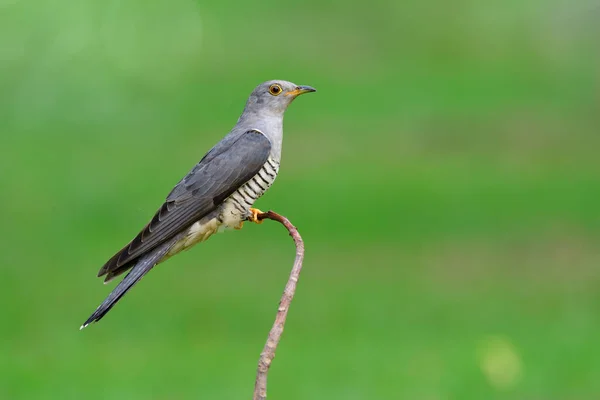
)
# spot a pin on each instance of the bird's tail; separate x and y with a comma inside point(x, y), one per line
point(141, 268)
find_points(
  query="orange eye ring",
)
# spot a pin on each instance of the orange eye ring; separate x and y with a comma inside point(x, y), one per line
point(275, 89)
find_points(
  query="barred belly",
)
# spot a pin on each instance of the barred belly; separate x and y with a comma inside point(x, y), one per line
point(236, 208)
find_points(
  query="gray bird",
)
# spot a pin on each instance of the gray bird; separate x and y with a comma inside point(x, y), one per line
point(217, 194)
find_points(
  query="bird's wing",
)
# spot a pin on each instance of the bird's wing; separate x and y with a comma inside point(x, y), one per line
point(230, 164)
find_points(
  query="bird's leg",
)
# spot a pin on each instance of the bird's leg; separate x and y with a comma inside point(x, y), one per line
point(254, 215)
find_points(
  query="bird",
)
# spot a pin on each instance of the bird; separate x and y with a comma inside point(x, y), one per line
point(216, 195)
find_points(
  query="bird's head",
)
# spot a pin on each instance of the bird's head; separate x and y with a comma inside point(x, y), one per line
point(273, 97)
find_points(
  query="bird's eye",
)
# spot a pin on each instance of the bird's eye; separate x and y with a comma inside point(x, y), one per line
point(275, 89)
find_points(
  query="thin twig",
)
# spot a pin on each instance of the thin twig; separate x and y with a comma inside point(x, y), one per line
point(268, 353)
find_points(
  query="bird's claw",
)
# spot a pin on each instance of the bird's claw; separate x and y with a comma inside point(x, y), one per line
point(254, 216)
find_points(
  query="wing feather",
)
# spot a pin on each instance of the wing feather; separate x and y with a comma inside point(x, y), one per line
point(231, 163)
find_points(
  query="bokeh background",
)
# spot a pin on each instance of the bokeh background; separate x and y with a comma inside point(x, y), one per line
point(445, 177)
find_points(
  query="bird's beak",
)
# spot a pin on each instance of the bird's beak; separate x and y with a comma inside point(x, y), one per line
point(301, 90)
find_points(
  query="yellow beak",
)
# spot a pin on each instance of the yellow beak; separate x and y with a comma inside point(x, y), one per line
point(300, 90)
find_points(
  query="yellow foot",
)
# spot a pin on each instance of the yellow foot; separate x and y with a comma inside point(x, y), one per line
point(240, 226)
point(254, 216)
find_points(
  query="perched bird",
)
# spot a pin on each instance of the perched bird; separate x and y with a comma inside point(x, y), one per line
point(218, 193)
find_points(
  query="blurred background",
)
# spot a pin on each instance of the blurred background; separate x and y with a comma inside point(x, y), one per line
point(445, 178)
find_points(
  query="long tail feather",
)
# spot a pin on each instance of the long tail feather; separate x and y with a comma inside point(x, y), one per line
point(142, 267)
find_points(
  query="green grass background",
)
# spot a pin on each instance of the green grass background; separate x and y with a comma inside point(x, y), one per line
point(445, 177)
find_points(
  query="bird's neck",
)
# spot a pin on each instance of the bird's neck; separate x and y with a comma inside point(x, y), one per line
point(271, 125)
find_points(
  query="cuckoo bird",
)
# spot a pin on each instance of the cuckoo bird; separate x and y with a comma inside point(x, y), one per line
point(217, 194)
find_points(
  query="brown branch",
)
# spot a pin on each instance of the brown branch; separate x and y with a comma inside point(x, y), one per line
point(268, 353)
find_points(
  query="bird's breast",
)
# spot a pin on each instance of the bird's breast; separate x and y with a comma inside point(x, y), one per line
point(236, 207)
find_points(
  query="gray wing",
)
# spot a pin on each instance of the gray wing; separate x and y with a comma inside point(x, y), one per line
point(230, 164)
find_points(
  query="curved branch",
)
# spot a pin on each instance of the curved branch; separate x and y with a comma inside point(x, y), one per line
point(268, 353)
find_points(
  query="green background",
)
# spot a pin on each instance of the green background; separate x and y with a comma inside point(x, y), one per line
point(445, 178)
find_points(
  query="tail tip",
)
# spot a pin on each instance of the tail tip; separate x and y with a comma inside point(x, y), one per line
point(85, 324)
